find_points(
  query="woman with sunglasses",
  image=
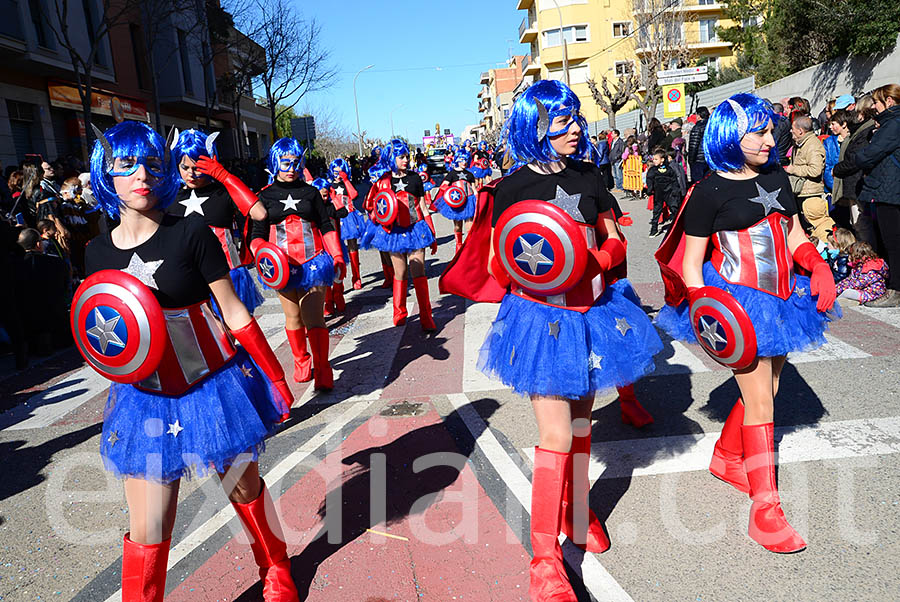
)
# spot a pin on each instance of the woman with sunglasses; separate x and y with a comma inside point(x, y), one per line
point(206, 407)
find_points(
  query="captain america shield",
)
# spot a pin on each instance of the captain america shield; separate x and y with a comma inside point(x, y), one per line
point(455, 196)
point(723, 328)
point(119, 326)
point(424, 176)
point(386, 207)
point(541, 247)
point(482, 163)
point(273, 266)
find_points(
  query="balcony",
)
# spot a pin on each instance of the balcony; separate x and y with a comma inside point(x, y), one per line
point(647, 7)
point(528, 29)
point(533, 68)
point(485, 77)
point(523, 4)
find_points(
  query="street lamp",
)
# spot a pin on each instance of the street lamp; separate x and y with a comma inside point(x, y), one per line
point(562, 35)
point(356, 104)
point(392, 119)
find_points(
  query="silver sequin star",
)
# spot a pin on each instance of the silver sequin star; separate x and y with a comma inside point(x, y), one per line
point(768, 200)
point(104, 331)
point(143, 270)
point(247, 372)
point(709, 331)
point(401, 186)
point(290, 203)
point(594, 361)
point(194, 204)
point(554, 329)
point(532, 254)
point(568, 203)
point(174, 429)
point(801, 292)
point(622, 325)
point(382, 206)
point(113, 438)
point(268, 269)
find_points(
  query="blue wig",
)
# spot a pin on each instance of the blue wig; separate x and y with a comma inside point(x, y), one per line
point(320, 183)
point(192, 144)
point(722, 139)
point(521, 128)
point(339, 165)
point(462, 156)
point(282, 147)
point(131, 139)
point(393, 149)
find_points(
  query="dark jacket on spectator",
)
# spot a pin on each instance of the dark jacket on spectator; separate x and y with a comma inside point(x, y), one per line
point(616, 150)
point(848, 178)
point(655, 138)
point(881, 160)
point(783, 139)
point(695, 143)
point(602, 153)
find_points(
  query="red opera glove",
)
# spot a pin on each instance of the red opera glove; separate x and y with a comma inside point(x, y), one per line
point(242, 196)
point(252, 339)
point(821, 283)
point(611, 254)
point(498, 272)
point(430, 223)
point(333, 246)
point(254, 245)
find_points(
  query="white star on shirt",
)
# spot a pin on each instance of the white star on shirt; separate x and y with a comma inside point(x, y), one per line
point(143, 270)
point(568, 203)
point(401, 186)
point(710, 332)
point(533, 255)
point(104, 331)
point(290, 203)
point(339, 190)
point(194, 204)
point(768, 200)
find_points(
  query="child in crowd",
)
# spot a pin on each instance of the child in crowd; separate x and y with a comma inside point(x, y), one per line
point(662, 183)
point(51, 242)
point(632, 168)
point(835, 251)
point(868, 275)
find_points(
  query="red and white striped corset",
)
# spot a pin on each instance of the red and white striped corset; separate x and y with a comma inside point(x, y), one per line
point(229, 246)
point(299, 238)
point(757, 256)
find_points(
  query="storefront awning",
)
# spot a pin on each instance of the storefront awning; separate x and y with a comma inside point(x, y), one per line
point(66, 96)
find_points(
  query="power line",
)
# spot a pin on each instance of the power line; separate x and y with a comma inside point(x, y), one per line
point(638, 29)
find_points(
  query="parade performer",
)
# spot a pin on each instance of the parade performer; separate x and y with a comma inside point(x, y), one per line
point(222, 200)
point(427, 186)
point(372, 228)
point(298, 224)
point(185, 401)
point(480, 165)
point(353, 225)
point(397, 203)
point(456, 197)
point(728, 268)
point(547, 235)
point(334, 294)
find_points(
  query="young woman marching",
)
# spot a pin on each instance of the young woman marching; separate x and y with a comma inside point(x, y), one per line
point(222, 200)
point(334, 294)
point(480, 165)
point(372, 228)
point(562, 333)
point(298, 223)
point(353, 225)
point(397, 202)
point(186, 402)
point(456, 197)
point(736, 287)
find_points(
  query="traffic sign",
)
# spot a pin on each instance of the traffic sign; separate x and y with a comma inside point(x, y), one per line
point(673, 101)
point(682, 79)
point(682, 71)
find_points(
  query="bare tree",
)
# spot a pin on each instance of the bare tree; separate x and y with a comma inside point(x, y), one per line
point(246, 59)
point(660, 44)
point(612, 100)
point(156, 25)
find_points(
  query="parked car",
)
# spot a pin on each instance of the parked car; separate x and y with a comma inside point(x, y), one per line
point(435, 160)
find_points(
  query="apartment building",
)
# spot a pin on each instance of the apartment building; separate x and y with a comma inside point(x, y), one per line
point(496, 95)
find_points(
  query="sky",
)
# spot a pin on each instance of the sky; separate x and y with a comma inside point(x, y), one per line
point(428, 58)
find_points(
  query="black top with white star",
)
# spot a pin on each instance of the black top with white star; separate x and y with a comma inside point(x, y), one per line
point(177, 262)
point(211, 202)
point(578, 189)
point(719, 204)
point(410, 182)
point(282, 199)
point(454, 176)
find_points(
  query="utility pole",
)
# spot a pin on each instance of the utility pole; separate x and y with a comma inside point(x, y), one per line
point(356, 104)
point(565, 49)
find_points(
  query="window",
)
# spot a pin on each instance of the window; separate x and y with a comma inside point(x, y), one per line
point(185, 63)
point(42, 32)
point(574, 34)
point(621, 29)
point(577, 75)
point(751, 22)
point(623, 68)
point(707, 2)
point(140, 60)
point(708, 30)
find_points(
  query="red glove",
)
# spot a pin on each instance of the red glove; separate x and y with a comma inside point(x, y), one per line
point(333, 246)
point(821, 283)
point(611, 254)
point(242, 196)
point(252, 339)
point(692, 293)
point(498, 272)
point(254, 245)
point(430, 223)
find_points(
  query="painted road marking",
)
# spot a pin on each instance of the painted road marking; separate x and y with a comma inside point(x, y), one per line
point(597, 580)
point(834, 349)
point(884, 314)
point(683, 361)
point(826, 441)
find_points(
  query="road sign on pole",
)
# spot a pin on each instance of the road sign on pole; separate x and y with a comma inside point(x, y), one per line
point(673, 101)
point(682, 71)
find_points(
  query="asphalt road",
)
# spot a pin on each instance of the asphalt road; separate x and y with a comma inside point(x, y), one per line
point(426, 466)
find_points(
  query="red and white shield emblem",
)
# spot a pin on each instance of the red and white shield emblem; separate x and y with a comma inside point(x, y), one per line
point(119, 326)
point(723, 328)
point(424, 176)
point(541, 247)
point(273, 266)
point(482, 163)
point(386, 207)
point(455, 196)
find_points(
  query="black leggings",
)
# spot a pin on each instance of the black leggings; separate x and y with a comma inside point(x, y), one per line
point(889, 226)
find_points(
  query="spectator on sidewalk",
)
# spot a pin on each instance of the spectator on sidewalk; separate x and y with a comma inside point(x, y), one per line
point(616, 150)
point(782, 134)
point(806, 168)
point(44, 288)
point(868, 275)
point(662, 184)
point(674, 131)
point(603, 161)
point(695, 157)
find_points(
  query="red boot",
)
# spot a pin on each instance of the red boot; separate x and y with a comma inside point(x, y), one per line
point(633, 412)
point(328, 308)
point(302, 358)
point(728, 455)
point(337, 293)
point(269, 549)
point(400, 302)
point(388, 270)
point(549, 582)
point(594, 539)
point(144, 570)
point(425, 318)
point(459, 236)
point(318, 342)
point(768, 525)
point(354, 269)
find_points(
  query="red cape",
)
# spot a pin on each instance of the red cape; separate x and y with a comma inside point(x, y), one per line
point(670, 257)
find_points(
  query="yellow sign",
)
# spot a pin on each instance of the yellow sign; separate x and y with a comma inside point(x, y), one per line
point(673, 101)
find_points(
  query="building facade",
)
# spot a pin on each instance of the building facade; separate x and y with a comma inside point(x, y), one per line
point(496, 95)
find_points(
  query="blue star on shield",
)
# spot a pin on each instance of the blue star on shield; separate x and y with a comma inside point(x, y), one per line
point(532, 254)
point(711, 332)
point(106, 330)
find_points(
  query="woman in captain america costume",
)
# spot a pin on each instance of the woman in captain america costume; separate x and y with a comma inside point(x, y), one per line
point(297, 222)
point(480, 164)
point(205, 405)
point(407, 232)
point(549, 240)
point(334, 295)
point(456, 197)
point(222, 199)
point(728, 267)
point(372, 228)
point(353, 225)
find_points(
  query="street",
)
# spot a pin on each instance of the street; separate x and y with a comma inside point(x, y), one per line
point(411, 480)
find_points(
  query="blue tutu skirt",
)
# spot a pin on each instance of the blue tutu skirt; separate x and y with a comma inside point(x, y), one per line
point(479, 173)
point(428, 185)
point(782, 325)
point(223, 420)
point(368, 235)
point(353, 225)
point(246, 289)
point(318, 271)
point(466, 212)
point(403, 239)
point(589, 354)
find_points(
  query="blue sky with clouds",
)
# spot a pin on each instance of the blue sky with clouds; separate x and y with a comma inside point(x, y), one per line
point(428, 57)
